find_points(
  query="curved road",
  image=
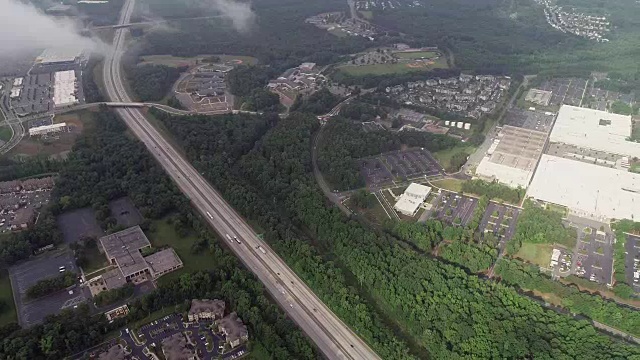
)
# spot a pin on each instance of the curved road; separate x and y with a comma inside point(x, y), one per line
point(330, 334)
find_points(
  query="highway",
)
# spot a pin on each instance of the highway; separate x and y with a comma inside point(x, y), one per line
point(11, 120)
point(334, 338)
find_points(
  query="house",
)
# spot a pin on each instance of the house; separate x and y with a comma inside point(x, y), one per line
point(206, 309)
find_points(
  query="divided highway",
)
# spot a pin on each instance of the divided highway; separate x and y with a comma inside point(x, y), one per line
point(330, 334)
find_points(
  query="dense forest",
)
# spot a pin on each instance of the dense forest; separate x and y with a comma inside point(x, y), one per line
point(248, 83)
point(277, 35)
point(343, 142)
point(430, 300)
point(318, 103)
point(152, 82)
point(107, 164)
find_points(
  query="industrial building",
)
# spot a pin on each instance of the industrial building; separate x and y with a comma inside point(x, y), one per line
point(58, 56)
point(411, 199)
point(64, 88)
point(595, 130)
point(47, 129)
point(587, 190)
point(124, 250)
point(512, 158)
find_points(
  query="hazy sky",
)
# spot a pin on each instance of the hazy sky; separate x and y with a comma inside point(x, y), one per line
point(23, 27)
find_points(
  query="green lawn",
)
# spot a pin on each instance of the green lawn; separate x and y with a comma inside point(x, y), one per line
point(385, 69)
point(539, 254)
point(5, 133)
point(449, 184)
point(164, 234)
point(95, 260)
point(444, 156)
point(7, 306)
point(417, 55)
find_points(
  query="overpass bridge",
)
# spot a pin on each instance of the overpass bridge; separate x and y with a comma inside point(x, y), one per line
point(162, 107)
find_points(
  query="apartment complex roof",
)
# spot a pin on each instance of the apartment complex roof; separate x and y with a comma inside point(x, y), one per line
point(206, 305)
point(233, 327)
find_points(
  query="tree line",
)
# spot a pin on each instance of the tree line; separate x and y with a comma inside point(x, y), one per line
point(494, 190)
point(152, 82)
point(51, 285)
point(429, 299)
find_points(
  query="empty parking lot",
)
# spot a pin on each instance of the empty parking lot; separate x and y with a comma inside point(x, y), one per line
point(403, 165)
point(27, 274)
point(632, 261)
point(500, 220)
point(79, 223)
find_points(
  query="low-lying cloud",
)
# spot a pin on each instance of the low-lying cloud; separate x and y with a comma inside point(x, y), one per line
point(25, 28)
point(239, 13)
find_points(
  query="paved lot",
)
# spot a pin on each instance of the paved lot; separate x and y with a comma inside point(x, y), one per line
point(454, 209)
point(172, 324)
point(500, 220)
point(125, 212)
point(78, 223)
point(27, 274)
point(407, 164)
point(565, 90)
point(29, 205)
point(632, 261)
point(529, 119)
point(594, 258)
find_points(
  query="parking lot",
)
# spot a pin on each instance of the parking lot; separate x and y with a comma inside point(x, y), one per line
point(79, 223)
point(600, 98)
point(500, 220)
point(632, 262)
point(529, 119)
point(125, 212)
point(594, 258)
point(20, 209)
point(36, 95)
point(567, 91)
point(27, 274)
point(156, 331)
point(408, 164)
point(454, 209)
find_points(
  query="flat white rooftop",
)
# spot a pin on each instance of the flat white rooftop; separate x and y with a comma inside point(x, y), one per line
point(64, 88)
point(504, 174)
point(586, 189)
point(594, 129)
point(53, 56)
point(412, 198)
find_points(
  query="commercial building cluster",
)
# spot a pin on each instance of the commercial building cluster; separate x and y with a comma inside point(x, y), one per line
point(303, 80)
point(341, 23)
point(467, 95)
point(582, 164)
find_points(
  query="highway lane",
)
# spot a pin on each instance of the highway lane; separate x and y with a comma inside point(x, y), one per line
point(329, 333)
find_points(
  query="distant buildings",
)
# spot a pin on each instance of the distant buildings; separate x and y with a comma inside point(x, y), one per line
point(48, 129)
point(116, 352)
point(299, 81)
point(176, 347)
point(65, 88)
point(539, 97)
point(59, 56)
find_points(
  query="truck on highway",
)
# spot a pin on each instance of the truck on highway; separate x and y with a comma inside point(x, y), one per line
point(262, 250)
point(237, 240)
point(229, 237)
point(209, 215)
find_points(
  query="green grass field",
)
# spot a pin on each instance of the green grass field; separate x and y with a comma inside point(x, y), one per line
point(385, 69)
point(416, 55)
point(444, 156)
point(5, 133)
point(95, 260)
point(539, 254)
point(164, 234)
point(7, 306)
point(449, 184)
point(177, 61)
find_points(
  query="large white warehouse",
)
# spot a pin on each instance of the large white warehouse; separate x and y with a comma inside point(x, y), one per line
point(594, 129)
point(588, 190)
